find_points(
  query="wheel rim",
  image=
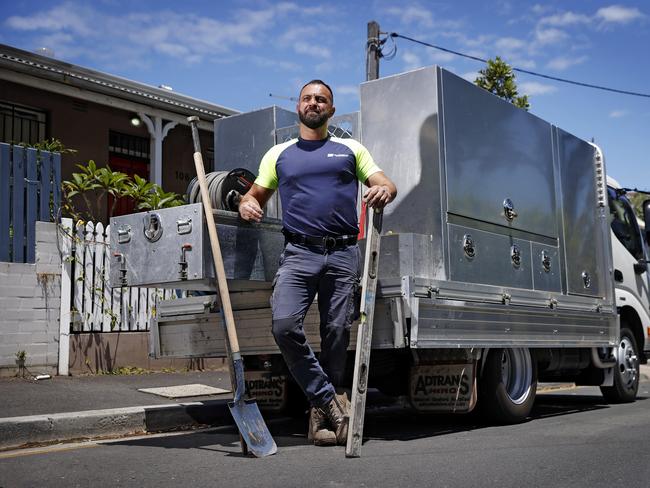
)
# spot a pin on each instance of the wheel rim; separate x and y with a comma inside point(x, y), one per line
point(517, 374)
point(628, 362)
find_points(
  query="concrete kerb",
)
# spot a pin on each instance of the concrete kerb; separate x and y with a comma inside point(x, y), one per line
point(16, 432)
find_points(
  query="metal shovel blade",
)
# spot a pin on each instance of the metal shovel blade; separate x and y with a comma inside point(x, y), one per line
point(248, 418)
point(252, 427)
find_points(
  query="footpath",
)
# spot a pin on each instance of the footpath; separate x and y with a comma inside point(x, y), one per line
point(62, 409)
point(65, 408)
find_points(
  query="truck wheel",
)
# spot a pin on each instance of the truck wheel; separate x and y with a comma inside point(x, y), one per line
point(508, 385)
point(626, 371)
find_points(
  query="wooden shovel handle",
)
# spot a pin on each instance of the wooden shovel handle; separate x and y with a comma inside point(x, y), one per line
point(222, 284)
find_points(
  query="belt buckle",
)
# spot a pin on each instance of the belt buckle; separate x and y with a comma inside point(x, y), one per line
point(329, 242)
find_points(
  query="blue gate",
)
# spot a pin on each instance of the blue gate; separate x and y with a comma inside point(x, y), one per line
point(30, 190)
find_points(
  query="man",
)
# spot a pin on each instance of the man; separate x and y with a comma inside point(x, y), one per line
point(317, 177)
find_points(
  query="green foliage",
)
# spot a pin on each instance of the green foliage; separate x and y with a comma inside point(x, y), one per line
point(51, 145)
point(140, 188)
point(93, 184)
point(126, 371)
point(159, 199)
point(499, 79)
point(637, 199)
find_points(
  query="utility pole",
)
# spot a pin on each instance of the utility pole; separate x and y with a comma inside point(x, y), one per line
point(372, 51)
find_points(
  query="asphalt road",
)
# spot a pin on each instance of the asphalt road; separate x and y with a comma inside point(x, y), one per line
point(573, 439)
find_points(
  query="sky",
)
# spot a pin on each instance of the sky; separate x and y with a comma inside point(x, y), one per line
point(235, 53)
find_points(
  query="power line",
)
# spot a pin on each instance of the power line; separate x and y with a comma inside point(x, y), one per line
point(533, 73)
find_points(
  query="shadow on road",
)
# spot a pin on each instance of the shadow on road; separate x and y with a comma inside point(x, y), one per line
point(286, 432)
point(386, 423)
point(556, 404)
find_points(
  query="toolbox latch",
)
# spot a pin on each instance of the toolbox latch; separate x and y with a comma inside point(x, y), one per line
point(509, 210)
point(184, 226)
point(152, 227)
point(124, 234)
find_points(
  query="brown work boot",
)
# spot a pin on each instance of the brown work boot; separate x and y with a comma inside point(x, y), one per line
point(344, 399)
point(337, 413)
point(319, 432)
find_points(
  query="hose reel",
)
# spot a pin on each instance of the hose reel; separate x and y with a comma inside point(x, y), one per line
point(225, 188)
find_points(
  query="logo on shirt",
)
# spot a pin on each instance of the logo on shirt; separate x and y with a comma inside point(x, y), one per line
point(332, 155)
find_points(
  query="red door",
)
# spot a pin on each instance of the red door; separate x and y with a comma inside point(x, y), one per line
point(130, 167)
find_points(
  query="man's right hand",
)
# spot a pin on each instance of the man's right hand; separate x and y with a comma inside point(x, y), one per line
point(250, 206)
point(249, 209)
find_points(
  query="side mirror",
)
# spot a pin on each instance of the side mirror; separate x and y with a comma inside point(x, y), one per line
point(641, 266)
point(646, 219)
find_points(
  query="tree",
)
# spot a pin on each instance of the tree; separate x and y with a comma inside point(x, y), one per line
point(636, 200)
point(499, 79)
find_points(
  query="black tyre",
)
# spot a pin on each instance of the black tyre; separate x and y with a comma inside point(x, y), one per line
point(626, 371)
point(508, 385)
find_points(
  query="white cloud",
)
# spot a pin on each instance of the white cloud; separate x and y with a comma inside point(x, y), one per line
point(295, 34)
point(509, 44)
point(441, 57)
point(479, 41)
point(617, 114)
point(540, 9)
point(274, 63)
point(564, 19)
point(561, 63)
point(411, 60)
point(470, 76)
point(77, 29)
point(325, 67)
point(550, 36)
point(347, 90)
point(569, 29)
point(533, 88)
point(56, 39)
point(310, 49)
point(415, 15)
point(175, 50)
point(300, 39)
point(65, 17)
point(479, 53)
point(618, 14)
point(524, 63)
point(412, 15)
point(504, 7)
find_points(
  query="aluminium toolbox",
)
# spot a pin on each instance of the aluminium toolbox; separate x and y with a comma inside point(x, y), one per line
point(170, 248)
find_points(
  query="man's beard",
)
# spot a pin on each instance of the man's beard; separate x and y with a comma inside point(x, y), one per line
point(313, 119)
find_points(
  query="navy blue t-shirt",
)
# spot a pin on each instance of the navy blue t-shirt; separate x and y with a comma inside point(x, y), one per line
point(318, 183)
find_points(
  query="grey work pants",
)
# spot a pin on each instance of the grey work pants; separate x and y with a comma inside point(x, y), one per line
point(305, 271)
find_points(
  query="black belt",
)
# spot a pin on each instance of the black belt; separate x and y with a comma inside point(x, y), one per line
point(327, 242)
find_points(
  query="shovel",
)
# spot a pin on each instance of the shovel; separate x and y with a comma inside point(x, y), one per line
point(246, 413)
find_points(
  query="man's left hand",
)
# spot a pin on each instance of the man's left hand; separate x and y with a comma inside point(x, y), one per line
point(377, 196)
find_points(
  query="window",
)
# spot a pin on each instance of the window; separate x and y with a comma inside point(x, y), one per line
point(624, 224)
point(21, 124)
point(128, 145)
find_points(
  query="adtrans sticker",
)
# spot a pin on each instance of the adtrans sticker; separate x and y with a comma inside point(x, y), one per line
point(443, 387)
point(269, 391)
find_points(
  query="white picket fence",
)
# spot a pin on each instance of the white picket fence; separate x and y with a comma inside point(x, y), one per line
point(94, 306)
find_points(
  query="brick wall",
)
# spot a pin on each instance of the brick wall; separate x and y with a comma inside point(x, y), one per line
point(30, 298)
